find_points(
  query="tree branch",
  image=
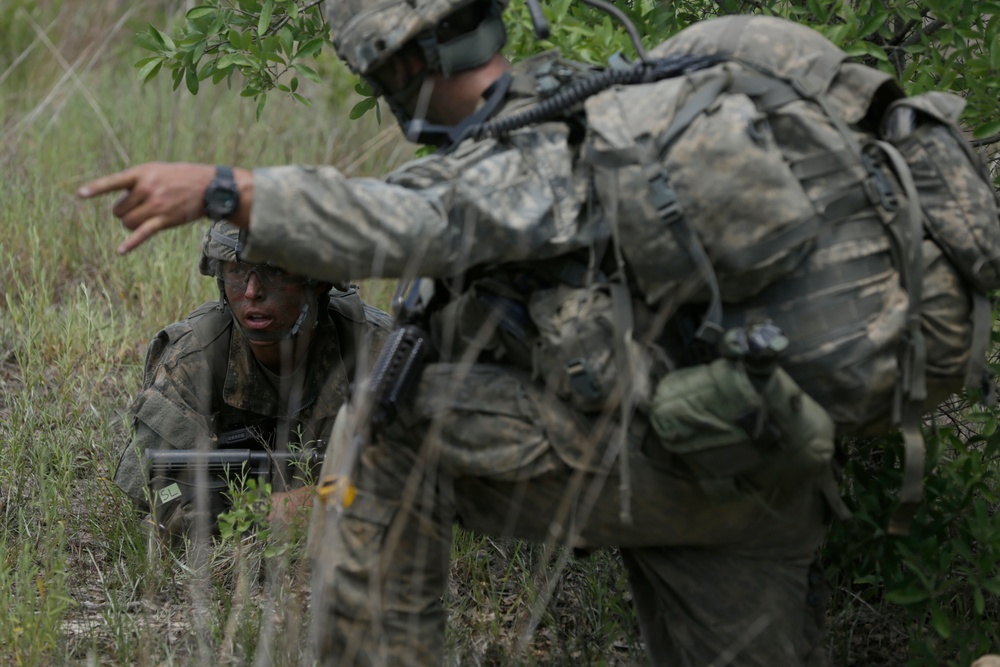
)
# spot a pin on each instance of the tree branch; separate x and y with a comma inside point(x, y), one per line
point(986, 141)
point(928, 30)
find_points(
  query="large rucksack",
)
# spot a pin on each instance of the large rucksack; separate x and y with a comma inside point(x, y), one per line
point(787, 184)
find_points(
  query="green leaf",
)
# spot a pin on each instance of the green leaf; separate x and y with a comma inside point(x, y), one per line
point(237, 59)
point(866, 49)
point(940, 622)
point(286, 40)
point(199, 50)
point(295, 83)
point(150, 69)
point(873, 23)
point(821, 10)
point(361, 108)
point(307, 72)
point(264, 22)
point(200, 12)
point(156, 35)
point(310, 48)
point(260, 109)
point(178, 76)
point(994, 48)
point(167, 42)
point(302, 100)
point(150, 42)
point(191, 79)
point(983, 131)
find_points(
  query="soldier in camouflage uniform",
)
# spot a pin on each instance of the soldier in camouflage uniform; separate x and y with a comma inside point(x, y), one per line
point(484, 441)
point(275, 355)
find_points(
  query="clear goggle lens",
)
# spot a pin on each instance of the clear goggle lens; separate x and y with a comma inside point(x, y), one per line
point(236, 276)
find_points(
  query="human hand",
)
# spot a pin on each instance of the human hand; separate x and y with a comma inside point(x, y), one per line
point(287, 506)
point(161, 195)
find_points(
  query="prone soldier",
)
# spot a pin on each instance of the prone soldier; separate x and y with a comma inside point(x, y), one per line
point(265, 368)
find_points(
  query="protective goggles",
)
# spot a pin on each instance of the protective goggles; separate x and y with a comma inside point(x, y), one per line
point(236, 275)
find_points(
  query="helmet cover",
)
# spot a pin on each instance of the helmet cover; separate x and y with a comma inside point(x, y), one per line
point(223, 242)
point(366, 33)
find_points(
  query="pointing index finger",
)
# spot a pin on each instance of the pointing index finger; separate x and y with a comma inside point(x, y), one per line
point(123, 180)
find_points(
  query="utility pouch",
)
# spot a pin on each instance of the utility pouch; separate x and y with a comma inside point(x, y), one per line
point(956, 192)
point(575, 352)
point(736, 435)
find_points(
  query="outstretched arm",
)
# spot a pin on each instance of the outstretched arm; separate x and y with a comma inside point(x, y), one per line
point(161, 195)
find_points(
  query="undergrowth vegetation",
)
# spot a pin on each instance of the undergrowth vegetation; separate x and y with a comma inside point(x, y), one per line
point(80, 579)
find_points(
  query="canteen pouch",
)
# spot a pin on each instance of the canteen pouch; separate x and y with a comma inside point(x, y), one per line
point(736, 435)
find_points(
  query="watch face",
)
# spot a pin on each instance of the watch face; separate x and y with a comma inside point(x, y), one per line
point(221, 199)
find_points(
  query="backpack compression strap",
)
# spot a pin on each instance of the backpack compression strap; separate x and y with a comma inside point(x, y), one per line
point(912, 390)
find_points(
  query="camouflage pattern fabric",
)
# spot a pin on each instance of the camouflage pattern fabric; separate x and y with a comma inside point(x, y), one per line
point(201, 379)
point(715, 582)
point(489, 447)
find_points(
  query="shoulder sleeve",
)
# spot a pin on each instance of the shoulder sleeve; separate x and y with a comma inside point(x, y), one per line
point(486, 204)
point(175, 403)
point(173, 410)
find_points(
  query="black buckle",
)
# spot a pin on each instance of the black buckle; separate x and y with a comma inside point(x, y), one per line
point(877, 186)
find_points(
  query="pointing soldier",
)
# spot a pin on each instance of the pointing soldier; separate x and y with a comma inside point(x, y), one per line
point(532, 421)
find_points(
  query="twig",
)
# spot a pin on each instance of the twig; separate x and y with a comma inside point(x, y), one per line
point(986, 141)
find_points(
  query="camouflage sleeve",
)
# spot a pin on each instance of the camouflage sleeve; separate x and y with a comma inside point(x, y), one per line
point(486, 203)
point(173, 409)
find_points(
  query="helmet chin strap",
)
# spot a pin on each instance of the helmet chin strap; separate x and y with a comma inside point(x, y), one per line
point(447, 137)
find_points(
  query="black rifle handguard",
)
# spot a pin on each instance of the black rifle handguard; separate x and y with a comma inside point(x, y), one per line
point(397, 371)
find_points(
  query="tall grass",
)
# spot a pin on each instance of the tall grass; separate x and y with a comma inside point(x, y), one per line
point(80, 581)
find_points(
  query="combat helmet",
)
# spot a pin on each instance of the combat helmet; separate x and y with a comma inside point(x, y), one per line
point(223, 242)
point(366, 33)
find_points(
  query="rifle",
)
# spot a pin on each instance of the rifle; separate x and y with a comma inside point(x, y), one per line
point(255, 463)
point(394, 377)
point(168, 471)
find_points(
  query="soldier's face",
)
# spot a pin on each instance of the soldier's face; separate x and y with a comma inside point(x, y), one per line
point(264, 298)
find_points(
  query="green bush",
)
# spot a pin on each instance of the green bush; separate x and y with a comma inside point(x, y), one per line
point(937, 589)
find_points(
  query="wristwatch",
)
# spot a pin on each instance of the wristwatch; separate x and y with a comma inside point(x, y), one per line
point(222, 197)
